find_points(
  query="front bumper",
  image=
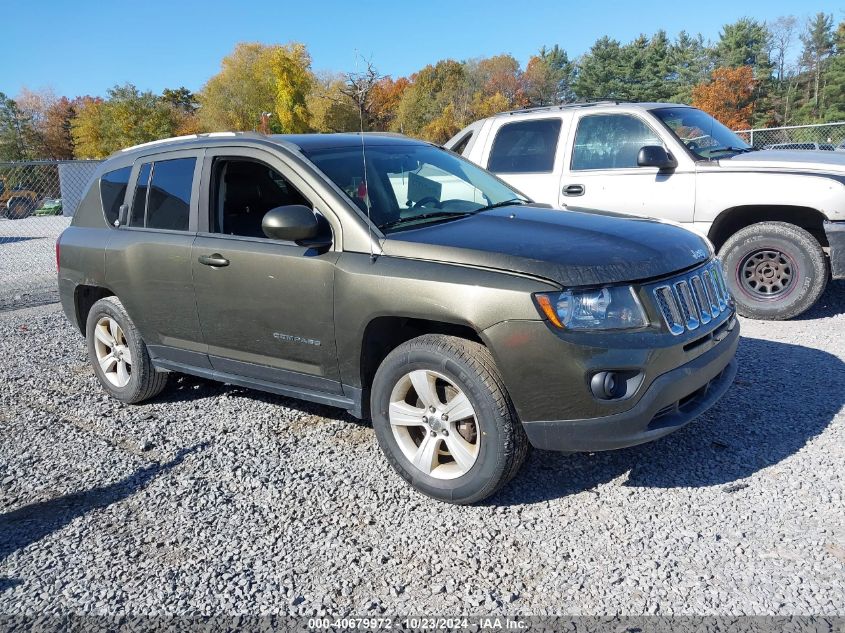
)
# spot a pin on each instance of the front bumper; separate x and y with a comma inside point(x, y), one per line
point(835, 232)
point(672, 401)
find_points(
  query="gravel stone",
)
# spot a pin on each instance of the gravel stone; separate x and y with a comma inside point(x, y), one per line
point(213, 499)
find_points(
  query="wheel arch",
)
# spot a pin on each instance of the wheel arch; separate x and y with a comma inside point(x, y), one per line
point(384, 333)
point(736, 218)
point(84, 297)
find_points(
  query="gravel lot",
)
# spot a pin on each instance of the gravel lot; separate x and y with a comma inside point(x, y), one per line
point(28, 259)
point(218, 500)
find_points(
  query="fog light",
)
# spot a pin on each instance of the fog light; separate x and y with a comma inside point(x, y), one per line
point(612, 385)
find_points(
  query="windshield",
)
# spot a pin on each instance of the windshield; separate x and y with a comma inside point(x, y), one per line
point(701, 133)
point(411, 185)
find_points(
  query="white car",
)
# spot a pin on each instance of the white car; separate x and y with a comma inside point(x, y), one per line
point(776, 217)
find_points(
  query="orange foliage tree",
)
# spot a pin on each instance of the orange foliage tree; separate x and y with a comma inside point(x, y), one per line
point(728, 96)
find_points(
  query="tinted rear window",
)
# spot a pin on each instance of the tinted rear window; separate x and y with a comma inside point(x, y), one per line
point(525, 147)
point(169, 200)
point(113, 191)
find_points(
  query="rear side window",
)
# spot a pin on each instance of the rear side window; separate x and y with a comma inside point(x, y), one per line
point(525, 147)
point(112, 192)
point(169, 198)
point(139, 200)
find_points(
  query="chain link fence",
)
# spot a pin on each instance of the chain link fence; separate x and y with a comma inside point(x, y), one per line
point(37, 200)
point(823, 136)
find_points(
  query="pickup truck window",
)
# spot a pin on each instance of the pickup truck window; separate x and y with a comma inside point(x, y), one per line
point(112, 192)
point(610, 141)
point(525, 147)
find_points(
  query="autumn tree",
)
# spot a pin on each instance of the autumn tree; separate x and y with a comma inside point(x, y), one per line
point(257, 78)
point(728, 96)
point(431, 91)
point(330, 108)
point(57, 137)
point(87, 128)
point(386, 96)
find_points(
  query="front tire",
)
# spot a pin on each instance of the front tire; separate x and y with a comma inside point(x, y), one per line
point(774, 270)
point(444, 420)
point(118, 354)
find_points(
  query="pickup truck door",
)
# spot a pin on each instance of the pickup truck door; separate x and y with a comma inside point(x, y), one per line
point(528, 154)
point(600, 170)
point(266, 307)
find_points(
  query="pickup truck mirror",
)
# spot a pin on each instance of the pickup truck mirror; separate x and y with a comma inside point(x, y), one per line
point(656, 156)
point(295, 223)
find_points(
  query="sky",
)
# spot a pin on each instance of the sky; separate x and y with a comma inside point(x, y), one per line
point(79, 47)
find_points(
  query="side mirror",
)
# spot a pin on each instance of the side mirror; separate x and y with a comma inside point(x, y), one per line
point(294, 223)
point(656, 156)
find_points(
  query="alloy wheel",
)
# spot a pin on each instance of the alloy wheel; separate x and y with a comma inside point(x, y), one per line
point(434, 424)
point(113, 353)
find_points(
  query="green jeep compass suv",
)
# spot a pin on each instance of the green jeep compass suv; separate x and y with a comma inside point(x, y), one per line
point(396, 280)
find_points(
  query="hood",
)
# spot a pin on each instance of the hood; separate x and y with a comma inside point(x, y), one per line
point(572, 248)
point(795, 160)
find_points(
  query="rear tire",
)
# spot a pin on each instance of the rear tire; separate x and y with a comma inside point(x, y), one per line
point(118, 354)
point(774, 270)
point(472, 443)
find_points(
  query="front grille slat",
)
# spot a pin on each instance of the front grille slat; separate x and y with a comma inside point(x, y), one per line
point(693, 299)
point(687, 304)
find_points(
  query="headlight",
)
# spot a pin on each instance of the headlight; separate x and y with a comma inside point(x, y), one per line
point(615, 308)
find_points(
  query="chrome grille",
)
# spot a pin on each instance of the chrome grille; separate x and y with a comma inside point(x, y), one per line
point(694, 299)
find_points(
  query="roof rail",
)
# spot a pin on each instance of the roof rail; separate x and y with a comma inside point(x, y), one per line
point(188, 137)
point(565, 106)
point(160, 142)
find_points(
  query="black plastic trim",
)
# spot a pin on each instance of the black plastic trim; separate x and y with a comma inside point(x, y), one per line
point(835, 232)
point(353, 405)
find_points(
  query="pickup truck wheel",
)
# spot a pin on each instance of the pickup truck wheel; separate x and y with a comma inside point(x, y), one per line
point(444, 420)
point(774, 270)
point(119, 356)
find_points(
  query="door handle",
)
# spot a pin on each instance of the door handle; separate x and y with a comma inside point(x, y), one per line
point(215, 261)
point(573, 190)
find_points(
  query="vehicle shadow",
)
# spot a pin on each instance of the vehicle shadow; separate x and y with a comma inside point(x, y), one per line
point(767, 415)
point(31, 523)
point(184, 387)
point(831, 303)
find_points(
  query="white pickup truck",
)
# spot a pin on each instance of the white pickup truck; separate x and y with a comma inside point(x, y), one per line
point(776, 217)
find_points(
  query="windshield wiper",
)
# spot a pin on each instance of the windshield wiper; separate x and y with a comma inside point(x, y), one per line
point(425, 216)
point(729, 148)
point(504, 203)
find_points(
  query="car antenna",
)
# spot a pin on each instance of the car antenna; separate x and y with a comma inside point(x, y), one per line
point(360, 88)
